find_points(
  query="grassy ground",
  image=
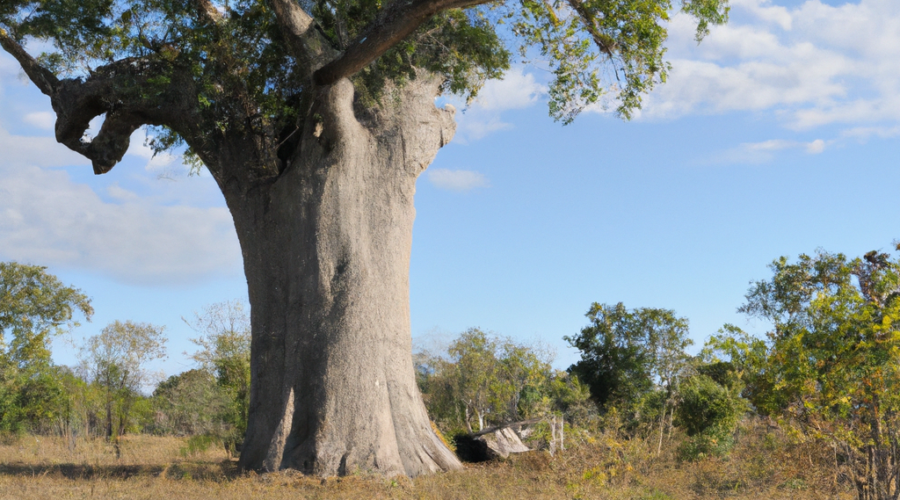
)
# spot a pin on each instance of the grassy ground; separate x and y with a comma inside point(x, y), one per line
point(763, 465)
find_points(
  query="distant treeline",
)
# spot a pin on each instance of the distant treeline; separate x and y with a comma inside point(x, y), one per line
point(827, 369)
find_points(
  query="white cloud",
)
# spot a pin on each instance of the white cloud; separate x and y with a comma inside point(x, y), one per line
point(46, 218)
point(36, 151)
point(516, 90)
point(474, 126)
point(457, 180)
point(864, 133)
point(41, 119)
point(815, 147)
point(811, 65)
point(119, 193)
point(762, 152)
point(764, 10)
point(482, 117)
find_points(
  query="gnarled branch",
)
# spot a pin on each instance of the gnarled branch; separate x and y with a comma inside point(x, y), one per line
point(603, 42)
point(122, 90)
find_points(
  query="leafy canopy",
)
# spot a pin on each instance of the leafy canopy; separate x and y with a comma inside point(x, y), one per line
point(830, 362)
point(35, 306)
point(624, 353)
point(599, 52)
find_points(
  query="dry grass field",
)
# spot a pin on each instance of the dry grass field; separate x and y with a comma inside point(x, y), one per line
point(762, 466)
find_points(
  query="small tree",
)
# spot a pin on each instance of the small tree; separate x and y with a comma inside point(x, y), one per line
point(116, 359)
point(224, 353)
point(476, 370)
point(709, 412)
point(34, 307)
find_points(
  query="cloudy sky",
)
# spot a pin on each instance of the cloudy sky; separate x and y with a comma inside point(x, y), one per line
point(779, 134)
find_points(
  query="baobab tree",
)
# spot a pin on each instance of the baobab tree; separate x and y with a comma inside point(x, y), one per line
point(315, 117)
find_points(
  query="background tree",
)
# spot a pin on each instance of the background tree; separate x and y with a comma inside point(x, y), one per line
point(477, 385)
point(34, 307)
point(315, 118)
point(116, 359)
point(224, 353)
point(633, 359)
point(832, 358)
point(625, 353)
point(190, 404)
point(482, 380)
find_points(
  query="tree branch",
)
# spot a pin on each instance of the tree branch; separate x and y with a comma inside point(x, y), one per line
point(208, 11)
point(606, 44)
point(306, 43)
point(393, 25)
point(45, 80)
point(123, 92)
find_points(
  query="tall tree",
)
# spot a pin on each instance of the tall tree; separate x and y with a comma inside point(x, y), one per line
point(34, 307)
point(315, 117)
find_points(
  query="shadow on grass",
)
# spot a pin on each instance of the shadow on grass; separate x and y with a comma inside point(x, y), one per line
point(222, 471)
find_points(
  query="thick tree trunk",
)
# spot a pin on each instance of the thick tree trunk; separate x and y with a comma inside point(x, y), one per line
point(326, 254)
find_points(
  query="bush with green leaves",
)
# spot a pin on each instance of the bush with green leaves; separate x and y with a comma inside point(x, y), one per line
point(189, 404)
point(709, 413)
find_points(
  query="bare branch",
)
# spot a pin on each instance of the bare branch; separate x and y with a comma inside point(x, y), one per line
point(393, 25)
point(307, 43)
point(45, 80)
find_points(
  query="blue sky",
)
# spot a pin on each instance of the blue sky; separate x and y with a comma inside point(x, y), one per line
point(778, 135)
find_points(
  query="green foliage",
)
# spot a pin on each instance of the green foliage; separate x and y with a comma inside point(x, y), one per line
point(713, 442)
point(747, 362)
point(625, 354)
point(604, 47)
point(224, 353)
point(188, 404)
point(198, 444)
point(485, 380)
point(34, 307)
point(598, 51)
point(830, 363)
point(709, 413)
point(115, 359)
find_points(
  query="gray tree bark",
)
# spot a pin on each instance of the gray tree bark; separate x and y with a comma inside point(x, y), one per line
point(326, 250)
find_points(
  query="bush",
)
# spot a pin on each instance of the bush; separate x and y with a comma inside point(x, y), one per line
point(709, 413)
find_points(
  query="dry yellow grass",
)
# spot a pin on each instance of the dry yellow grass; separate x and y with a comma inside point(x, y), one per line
point(762, 466)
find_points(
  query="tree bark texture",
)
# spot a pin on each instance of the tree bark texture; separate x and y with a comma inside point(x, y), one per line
point(326, 249)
